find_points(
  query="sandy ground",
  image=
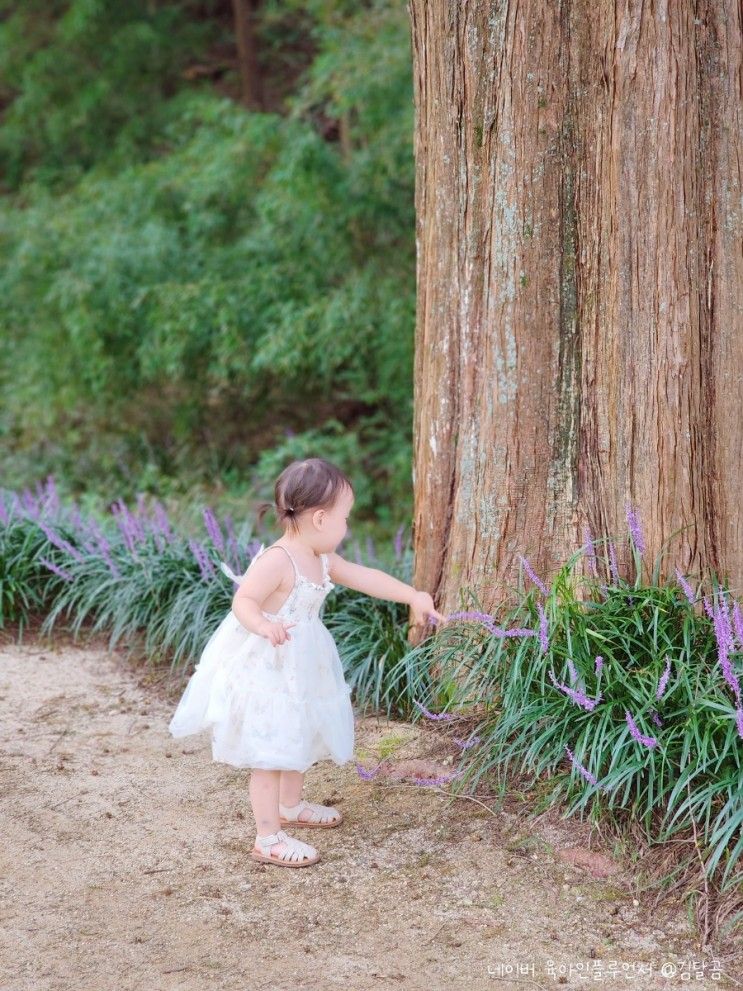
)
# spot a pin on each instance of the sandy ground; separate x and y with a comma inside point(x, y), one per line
point(125, 864)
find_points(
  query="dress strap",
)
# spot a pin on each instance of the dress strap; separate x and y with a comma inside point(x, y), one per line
point(291, 558)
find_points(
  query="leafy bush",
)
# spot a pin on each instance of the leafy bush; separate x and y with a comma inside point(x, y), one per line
point(87, 81)
point(176, 306)
point(618, 699)
point(134, 575)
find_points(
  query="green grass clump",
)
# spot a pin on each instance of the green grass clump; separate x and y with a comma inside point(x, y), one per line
point(618, 699)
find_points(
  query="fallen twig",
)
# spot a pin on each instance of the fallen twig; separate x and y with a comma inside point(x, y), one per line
point(438, 790)
point(59, 737)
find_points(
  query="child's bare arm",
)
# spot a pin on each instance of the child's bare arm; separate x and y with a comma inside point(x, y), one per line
point(375, 582)
point(263, 578)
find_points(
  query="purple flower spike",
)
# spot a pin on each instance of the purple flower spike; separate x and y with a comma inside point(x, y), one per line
point(599, 664)
point(656, 718)
point(481, 617)
point(75, 517)
point(579, 767)
point(13, 505)
point(487, 620)
point(51, 496)
point(613, 563)
point(368, 775)
point(60, 542)
point(100, 546)
point(537, 581)
point(56, 569)
point(726, 612)
point(213, 529)
point(647, 741)
point(432, 715)
point(573, 672)
point(398, 541)
point(105, 549)
point(543, 629)
point(708, 608)
point(429, 782)
point(516, 631)
point(739, 721)
point(160, 518)
point(589, 550)
point(634, 528)
point(99, 535)
point(664, 679)
point(29, 504)
point(688, 592)
point(466, 744)
point(725, 645)
point(202, 559)
point(130, 526)
point(580, 698)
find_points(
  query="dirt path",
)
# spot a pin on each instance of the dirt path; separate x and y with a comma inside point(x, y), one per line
point(125, 864)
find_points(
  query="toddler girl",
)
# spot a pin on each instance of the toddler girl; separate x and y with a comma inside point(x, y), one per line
point(270, 682)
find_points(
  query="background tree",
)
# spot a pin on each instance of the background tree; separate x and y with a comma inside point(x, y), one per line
point(580, 283)
point(251, 82)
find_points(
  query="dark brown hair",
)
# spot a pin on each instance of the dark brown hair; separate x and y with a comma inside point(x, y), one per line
point(312, 483)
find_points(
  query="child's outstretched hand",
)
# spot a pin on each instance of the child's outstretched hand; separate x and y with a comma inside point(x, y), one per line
point(422, 607)
point(276, 631)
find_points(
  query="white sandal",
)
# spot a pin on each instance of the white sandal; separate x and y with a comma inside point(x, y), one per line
point(297, 854)
point(290, 815)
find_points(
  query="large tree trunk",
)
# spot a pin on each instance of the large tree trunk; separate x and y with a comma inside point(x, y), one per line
point(579, 340)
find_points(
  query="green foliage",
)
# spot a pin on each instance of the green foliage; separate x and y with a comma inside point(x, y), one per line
point(372, 639)
point(186, 283)
point(87, 82)
point(134, 574)
point(557, 719)
point(22, 594)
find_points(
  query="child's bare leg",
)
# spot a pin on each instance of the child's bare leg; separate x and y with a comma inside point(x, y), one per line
point(264, 798)
point(290, 793)
point(290, 787)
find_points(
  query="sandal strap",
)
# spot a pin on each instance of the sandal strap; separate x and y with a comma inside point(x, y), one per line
point(268, 841)
point(293, 845)
point(292, 811)
point(318, 811)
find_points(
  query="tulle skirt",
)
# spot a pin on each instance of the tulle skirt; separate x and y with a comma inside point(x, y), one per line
point(272, 708)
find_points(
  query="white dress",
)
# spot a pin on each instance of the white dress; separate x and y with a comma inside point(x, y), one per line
point(273, 708)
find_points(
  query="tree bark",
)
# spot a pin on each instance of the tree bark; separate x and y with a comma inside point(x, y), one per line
point(579, 338)
point(251, 82)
